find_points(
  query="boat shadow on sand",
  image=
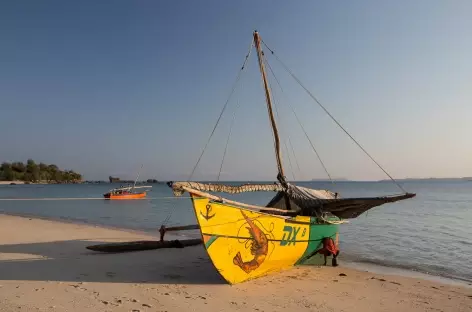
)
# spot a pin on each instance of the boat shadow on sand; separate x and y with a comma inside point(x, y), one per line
point(71, 261)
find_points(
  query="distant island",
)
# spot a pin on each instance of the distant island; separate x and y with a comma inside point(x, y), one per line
point(431, 179)
point(37, 173)
point(399, 180)
point(118, 180)
point(328, 180)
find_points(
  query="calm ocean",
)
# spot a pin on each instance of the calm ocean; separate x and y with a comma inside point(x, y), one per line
point(430, 233)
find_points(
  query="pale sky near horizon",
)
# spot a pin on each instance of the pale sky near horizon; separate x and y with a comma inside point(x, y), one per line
point(102, 87)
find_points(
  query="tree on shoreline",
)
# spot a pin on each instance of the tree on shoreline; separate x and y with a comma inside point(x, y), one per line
point(32, 172)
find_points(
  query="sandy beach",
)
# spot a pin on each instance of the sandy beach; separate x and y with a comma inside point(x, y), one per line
point(10, 182)
point(44, 266)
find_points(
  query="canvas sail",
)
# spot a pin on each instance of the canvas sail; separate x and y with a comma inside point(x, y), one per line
point(303, 201)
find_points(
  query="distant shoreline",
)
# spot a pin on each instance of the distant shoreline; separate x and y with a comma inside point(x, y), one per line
point(430, 179)
point(19, 182)
point(10, 182)
point(464, 179)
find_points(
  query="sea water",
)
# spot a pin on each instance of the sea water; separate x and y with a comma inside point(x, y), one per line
point(429, 233)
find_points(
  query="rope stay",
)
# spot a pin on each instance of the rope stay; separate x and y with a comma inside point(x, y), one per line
point(227, 142)
point(290, 162)
point(224, 108)
point(238, 77)
point(281, 123)
point(282, 127)
point(295, 156)
point(303, 128)
point(290, 144)
point(238, 103)
point(331, 116)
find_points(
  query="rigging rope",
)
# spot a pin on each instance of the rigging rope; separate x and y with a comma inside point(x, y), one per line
point(289, 161)
point(301, 126)
point(261, 60)
point(296, 160)
point(281, 123)
point(223, 110)
point(227, 140)
point(331, 116)
point(238, 77)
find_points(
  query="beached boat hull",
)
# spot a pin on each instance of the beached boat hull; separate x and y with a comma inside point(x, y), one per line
point(125, 196)
point(244, 244)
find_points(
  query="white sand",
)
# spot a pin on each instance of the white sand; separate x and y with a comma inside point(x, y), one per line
point(9, 182)
point(44, 266)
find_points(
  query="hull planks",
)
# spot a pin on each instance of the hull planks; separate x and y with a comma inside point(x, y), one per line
point(245, 244)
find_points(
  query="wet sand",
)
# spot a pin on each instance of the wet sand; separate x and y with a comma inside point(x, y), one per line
point(44, 266)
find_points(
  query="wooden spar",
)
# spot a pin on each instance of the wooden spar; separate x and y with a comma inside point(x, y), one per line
point(257, 41)
point(183, 227)
point(144, 245)
point(163, 230)
point(232, 202)
point(242, 205)
point(260, 57)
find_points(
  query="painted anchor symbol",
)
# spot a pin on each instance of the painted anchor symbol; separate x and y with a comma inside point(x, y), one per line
point(207, 216)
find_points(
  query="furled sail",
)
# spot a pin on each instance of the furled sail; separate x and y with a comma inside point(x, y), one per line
point(348, 208)
point(231, 189)
point(309, 203)
point(304, 201)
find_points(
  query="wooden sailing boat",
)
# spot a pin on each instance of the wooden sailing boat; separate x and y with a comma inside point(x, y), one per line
point(246, 241)
point(127, 192)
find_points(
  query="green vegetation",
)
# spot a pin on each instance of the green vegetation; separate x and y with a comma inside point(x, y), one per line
point(32, 172)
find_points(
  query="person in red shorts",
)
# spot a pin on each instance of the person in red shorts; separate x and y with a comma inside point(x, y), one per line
point(329, 249)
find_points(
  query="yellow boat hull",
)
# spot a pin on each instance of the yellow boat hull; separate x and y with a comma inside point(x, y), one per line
point(244, 244)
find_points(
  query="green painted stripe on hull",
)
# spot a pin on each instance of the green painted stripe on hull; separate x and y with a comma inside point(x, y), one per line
point(269, 239)
point(317, 233)
point(210, 241)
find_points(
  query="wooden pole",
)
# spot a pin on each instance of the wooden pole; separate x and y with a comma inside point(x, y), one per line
point(197, 193)
point(260, 57)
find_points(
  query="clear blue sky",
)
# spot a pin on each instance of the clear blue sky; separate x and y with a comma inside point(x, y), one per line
point(104, 86)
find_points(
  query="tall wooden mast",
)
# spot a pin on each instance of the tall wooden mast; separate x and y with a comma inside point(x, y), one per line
point(260, 56)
